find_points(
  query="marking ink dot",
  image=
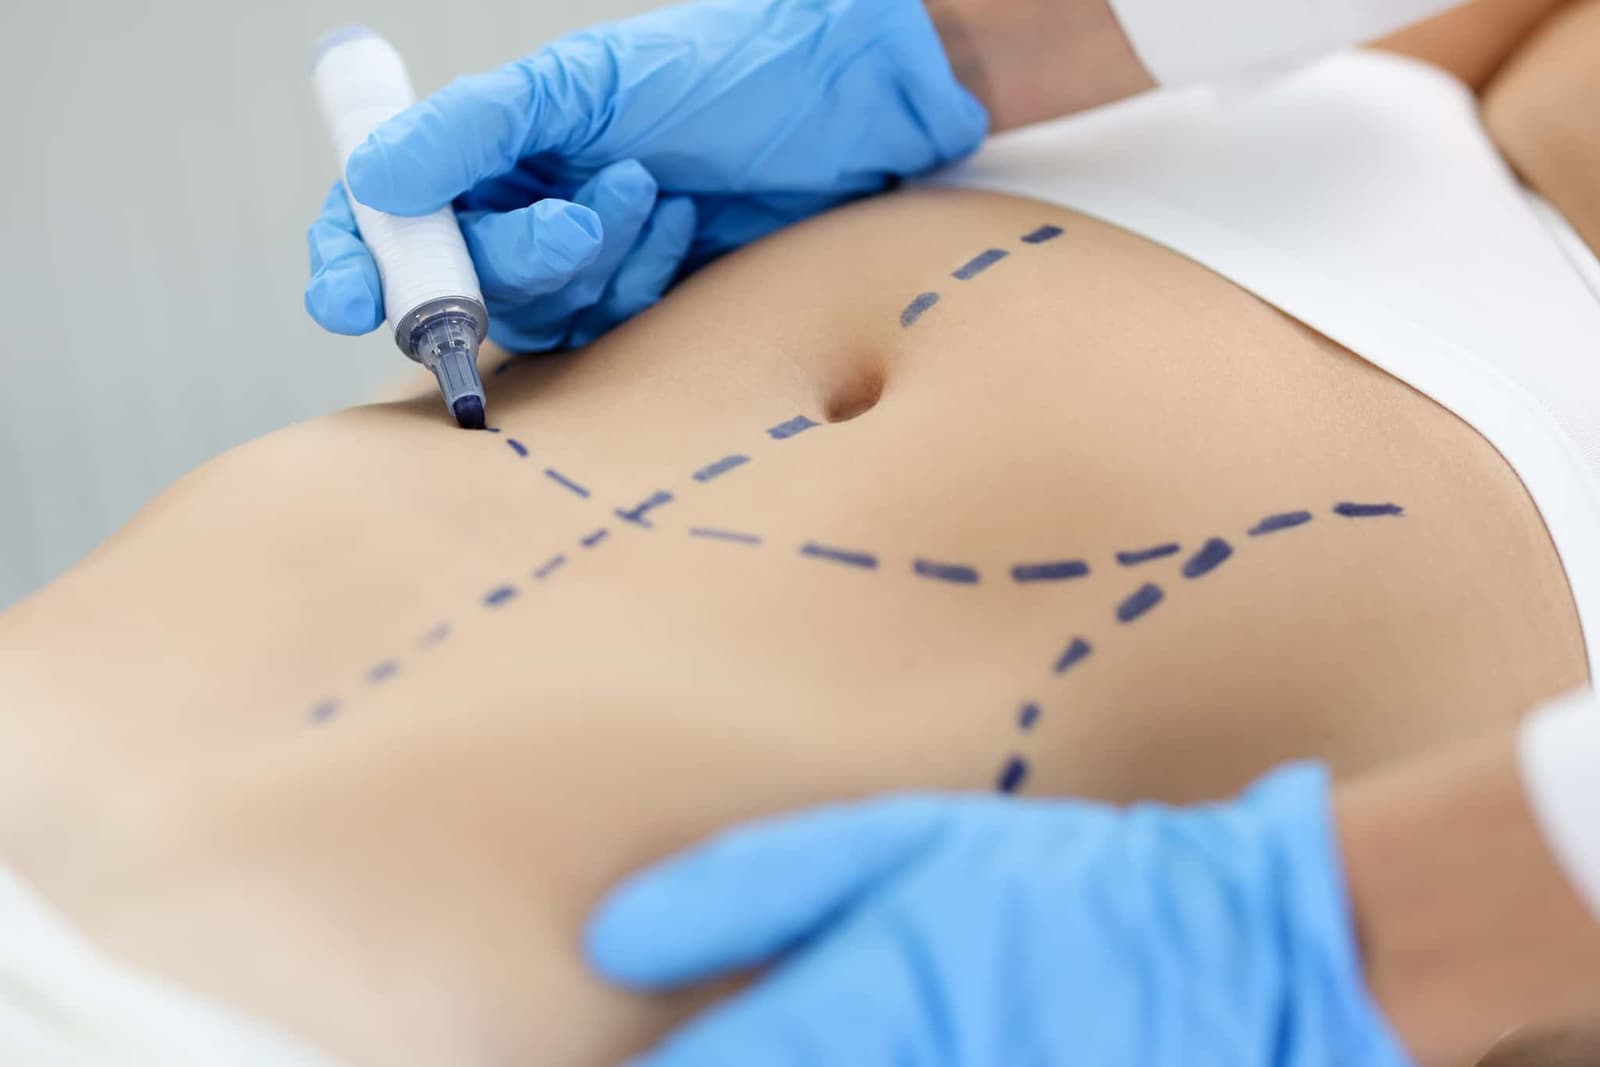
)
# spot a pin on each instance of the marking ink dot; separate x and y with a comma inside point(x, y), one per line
point(1145, 555)
point(1075, 654)
point(518, 447)
point(946, 572)
point(324, 711)
point(978, 264)
point(435, 636)
point(1368, 511)
point(1041, 235)
point(1028, 717)
point(793, 428)
point(1213, 554)
point(1013, 775)
point(636, 514)
point(1273, 523)
point(550, 566)
point(915, 309)
point(1060, 571)
point(494, 429)
point(595, 538)
point(720, 467)
point(382, 672)
point(1140, 603)
point(566, 483)
point(864, 560)
point(496, 597)
point(711, 534)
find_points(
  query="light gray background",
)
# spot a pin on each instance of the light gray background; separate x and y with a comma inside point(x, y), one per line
point(159, 164)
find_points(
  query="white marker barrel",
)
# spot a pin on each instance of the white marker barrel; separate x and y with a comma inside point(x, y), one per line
point(361, 82)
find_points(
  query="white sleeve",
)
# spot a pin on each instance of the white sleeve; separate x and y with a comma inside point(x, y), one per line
point(1560, 755)
point(1182, 41)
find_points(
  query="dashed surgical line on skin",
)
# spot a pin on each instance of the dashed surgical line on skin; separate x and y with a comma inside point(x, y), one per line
point(1146, 555)
point(496, 597)
point(956, 573)
point(436, 636)
point(1286, 521)
point(1367, 511)
point(549, 567)
point(862, 560)
point(566, 483)
point(324, 710)
point(720, 467)
point(518, 447)
point(1041, 235)
point(915, 310)
point(381, 672)
point(637, 513)
point(595, 538)
point(792, 428)
point(1140, 603)
point(492, 429)
point(1060, 571)
point(978, 264)
point(1028, 717)
point(1076, 653)
point(1013, 775)
point(1213, 554)
point(712, 534)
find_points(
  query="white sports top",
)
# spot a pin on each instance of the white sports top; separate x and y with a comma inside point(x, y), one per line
point(1363, 197)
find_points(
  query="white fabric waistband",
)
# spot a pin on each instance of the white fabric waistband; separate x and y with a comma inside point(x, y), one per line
point(63, 1003)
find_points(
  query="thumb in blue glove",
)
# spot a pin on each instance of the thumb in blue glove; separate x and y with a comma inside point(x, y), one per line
point(760, 112)
point(976, 932)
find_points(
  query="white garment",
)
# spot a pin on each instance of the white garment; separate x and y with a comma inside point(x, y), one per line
point(1364, 198)
point(1183, 41)
point(1560, 755)
point(65, 1004)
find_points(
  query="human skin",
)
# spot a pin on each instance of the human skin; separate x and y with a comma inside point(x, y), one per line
point(402, 879)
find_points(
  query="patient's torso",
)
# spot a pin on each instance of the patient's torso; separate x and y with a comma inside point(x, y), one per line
point(942, 490)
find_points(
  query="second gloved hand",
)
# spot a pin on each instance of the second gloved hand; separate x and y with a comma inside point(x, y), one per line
point(750, 114)
point(976, 932)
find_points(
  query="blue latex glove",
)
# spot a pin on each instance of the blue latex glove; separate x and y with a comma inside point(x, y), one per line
point(750, 114)
point(951, 932)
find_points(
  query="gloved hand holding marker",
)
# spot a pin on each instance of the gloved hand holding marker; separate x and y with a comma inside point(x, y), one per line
point(591, 174)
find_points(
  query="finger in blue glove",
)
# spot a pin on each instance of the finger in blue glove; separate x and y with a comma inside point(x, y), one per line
point(344, 294)
point(991, 932)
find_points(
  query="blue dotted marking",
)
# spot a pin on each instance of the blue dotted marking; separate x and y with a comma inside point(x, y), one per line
point(518, 447)
point(978, 264)
point(435, 636)
point(324, 711)
point(493, 429)
point(864, 560)
point(1140, 603)
point(566, 483)
point(793, 428)
point(1145, 555)
point(636, 514)
point(1075, 654)
point(595, 538)
point(1041, 235)
point(736, 537)
point(1213, 554)
point(916, 309)
point(1028, 717)
point(1013, 775)
point(1060, 571)
point(382, 672)
point(946, 572)
point(549, 567)
point(1286, 521)
point(1367, 511)
point(496, 597)
point(720, 467)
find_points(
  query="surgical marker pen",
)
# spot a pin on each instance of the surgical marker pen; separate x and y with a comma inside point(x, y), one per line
point(430, 290)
